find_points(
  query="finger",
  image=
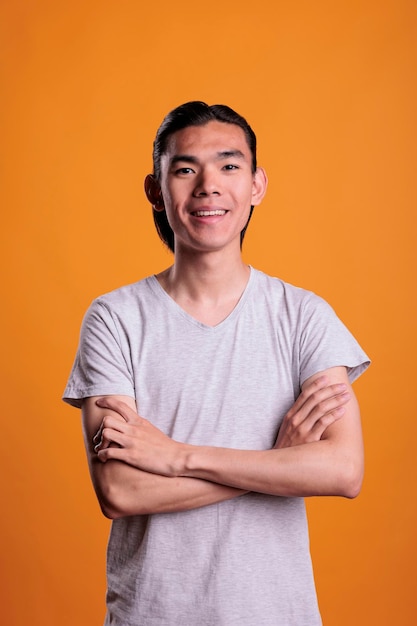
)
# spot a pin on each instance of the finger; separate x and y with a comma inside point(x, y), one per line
point(323, 423)
point(111, 436)
point(319, 383)
point(118, 453)
point(307, 419)
point(116, 418)
point(325, 406)
point(329, 404)
point(120, 407)
point(109, 421)
point(97, 436)
point(313, 429)
point(115, 422)
point(315, 396)
point(323, 415)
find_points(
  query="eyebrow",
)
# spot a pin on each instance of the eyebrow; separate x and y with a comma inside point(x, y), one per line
point(224, 154)
point(230, 154)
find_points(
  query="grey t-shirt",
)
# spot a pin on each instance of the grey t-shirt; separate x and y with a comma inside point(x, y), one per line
point(245, 561)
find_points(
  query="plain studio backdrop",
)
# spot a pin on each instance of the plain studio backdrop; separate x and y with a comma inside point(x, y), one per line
point(330, 89)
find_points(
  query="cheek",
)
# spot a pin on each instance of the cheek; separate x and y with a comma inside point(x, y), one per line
point(245, 193)
point(175, 194)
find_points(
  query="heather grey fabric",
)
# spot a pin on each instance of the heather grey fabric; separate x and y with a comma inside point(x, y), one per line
point(242, 562)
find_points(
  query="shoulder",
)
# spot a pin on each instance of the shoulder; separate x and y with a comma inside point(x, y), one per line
point(295, 309)
point(126, 293)
point(124, 299)
point(322, 339)
point(121, 307)
point(283, 293)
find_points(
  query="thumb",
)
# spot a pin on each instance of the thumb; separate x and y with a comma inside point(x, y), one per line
point(118, 406)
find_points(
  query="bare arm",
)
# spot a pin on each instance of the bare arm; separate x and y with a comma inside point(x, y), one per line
point(124, 490)
point(316, 453)
point(332, 465)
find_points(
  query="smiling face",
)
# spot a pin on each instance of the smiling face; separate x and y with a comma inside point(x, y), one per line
point(207, 186)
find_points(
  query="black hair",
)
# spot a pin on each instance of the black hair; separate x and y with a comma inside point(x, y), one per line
point(194, 113)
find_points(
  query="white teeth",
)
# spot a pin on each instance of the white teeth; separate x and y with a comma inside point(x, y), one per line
point(207, 213)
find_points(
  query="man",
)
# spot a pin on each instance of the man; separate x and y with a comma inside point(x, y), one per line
point(214, 398)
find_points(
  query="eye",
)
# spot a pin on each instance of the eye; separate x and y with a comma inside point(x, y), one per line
point(184, 170)
point(230, 167)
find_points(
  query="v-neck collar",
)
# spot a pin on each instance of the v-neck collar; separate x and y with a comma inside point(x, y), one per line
point(169, 302)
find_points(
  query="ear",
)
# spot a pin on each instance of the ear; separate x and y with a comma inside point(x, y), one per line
point(260, 183)
point(154, 193)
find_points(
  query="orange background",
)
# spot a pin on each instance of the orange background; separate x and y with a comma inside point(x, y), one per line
point(330, 89)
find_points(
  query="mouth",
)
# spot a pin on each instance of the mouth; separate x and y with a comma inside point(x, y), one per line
point(207, 213)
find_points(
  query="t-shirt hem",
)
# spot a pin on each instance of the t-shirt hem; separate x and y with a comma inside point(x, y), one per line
point(75, 397)
point(354, 370)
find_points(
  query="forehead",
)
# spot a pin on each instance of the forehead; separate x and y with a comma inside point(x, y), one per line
point(211, 138)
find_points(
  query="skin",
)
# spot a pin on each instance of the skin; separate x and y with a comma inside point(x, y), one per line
point(206, 188)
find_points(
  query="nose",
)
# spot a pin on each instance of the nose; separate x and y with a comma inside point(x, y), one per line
point(207, 184)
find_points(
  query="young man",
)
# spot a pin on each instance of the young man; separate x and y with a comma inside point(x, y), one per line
point(214, 398)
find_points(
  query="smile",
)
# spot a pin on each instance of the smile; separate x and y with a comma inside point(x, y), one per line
point(208, 213)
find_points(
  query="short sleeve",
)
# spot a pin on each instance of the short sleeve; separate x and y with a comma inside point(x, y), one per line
point(326, 342)
point(100, 366)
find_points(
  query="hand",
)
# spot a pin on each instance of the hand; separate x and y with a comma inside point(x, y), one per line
point(134, 440)
point(316, 408)
point(98, 437)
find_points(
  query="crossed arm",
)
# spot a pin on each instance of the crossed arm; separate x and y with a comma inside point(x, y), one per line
point(137, 469)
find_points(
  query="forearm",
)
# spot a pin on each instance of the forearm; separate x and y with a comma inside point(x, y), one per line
point(123, 490)
point(330, 465)
point(317, 468)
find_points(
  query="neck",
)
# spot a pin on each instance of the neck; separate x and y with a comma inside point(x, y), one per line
point(205, 275)
point(207, 286)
